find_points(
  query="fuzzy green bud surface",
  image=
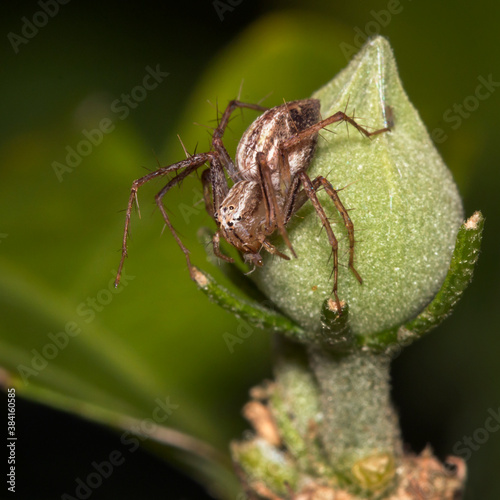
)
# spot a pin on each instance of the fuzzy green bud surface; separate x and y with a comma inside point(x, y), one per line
point(404, 204)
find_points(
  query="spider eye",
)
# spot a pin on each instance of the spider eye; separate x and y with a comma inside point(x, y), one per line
point(231, 207)
point(237, 218)
point(230, 224)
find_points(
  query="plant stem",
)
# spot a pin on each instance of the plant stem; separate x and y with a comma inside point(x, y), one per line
point(358, 418)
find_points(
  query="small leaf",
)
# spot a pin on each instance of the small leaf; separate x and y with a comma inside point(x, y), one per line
point(458, 278)
point(261, 315)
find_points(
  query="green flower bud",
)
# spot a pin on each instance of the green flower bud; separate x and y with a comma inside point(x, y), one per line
point(404, 204)
point(330, 402)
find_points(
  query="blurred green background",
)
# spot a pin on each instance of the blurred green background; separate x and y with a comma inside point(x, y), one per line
point(60, 234)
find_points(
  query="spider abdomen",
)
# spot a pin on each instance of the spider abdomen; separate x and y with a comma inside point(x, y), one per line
point(269, 131)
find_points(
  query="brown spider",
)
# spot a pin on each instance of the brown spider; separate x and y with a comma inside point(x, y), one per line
point(270, 183)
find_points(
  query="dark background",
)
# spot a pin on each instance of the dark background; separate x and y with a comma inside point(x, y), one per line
point(62, 238)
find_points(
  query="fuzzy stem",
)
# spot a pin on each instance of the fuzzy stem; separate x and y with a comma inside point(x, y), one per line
point(359, 420)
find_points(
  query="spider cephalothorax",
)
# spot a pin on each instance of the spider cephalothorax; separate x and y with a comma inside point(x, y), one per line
point(269, 182)
point(241, 218)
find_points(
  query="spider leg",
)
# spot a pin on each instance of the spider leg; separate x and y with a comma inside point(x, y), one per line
point(310, 191)
point(158, 198)
point(217, 144)
point(274, 215)
point(219, 182)
point(207, 194)
point(339, 116)
point(190, 165)
point(295, 199)
point(214, 186)
point(332, 193)
point(217, 252)
point(272, 249)
point(209, 205)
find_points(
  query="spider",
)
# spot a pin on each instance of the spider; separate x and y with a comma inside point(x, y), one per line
point(269, 183)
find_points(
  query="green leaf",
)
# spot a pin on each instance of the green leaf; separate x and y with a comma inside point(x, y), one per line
point(459, 276)
point(259, 315)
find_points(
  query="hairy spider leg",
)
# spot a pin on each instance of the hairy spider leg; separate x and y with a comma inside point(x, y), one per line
point(296, 198)
point(273, 250)
point(217, 251)
point(206, 181)
point(209, 205)
point(273, 213)
point(333, 194)
point(219, 159)
point(190, 165)
point(310, 191)
point(215, 187)
point(339, 116)
point(217, 144)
